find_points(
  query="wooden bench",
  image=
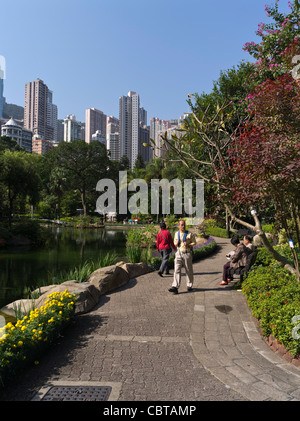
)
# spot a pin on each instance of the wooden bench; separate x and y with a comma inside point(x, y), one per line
point(243, 271)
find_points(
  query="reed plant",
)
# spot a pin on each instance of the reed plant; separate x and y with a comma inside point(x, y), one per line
point(134, 254)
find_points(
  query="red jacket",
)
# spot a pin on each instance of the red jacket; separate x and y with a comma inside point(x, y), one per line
point(161, 243)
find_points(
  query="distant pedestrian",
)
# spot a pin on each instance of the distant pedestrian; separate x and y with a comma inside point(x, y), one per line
point(184, 240)
point(164, 245)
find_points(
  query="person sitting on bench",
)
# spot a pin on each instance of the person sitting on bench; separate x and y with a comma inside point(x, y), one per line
point(237, 260)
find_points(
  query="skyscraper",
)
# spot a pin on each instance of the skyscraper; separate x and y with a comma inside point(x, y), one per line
point(72, 129)
point(2, 75)
point(1, 95)
point(112, 138)
point(94, 120)
point(131, 118)
point(40, 114)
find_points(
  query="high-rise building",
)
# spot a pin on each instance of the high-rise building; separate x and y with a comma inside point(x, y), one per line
point(1, 94)
point(112, 137)
point(131, 118)
point(40, 114)
point(98, 137)
point(72, 129)
point(112, 145)
point(158, 128)
point(60, 131)
point(94, 120)
point(52, 117)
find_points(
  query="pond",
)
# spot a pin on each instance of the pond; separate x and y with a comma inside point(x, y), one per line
point(22, 269)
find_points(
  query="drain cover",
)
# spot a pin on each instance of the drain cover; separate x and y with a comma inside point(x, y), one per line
point(77, 393)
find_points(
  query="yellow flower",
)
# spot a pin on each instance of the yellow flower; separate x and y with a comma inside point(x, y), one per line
point(20, 343)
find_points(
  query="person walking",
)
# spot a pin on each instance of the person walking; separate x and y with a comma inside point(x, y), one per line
point(165, 244)
point(184, 240)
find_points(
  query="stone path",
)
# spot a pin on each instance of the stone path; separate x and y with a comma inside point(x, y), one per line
point(151, 345)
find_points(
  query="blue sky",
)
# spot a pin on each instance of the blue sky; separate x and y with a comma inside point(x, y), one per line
point(91, 52)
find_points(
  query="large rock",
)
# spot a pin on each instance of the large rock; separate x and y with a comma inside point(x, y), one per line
point(109, 278)
point(24, 306)
point(87, 295)
point(134, 269)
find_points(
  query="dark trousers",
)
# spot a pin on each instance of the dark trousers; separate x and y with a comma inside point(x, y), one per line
point(226, 273)
point(165, 254)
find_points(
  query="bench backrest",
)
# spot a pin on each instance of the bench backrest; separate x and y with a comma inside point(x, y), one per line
point(250, 260)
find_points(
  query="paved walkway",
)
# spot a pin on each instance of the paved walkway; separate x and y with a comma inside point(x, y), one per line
point(151, 345)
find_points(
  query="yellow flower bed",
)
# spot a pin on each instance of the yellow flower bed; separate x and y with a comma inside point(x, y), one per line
point(23, 342)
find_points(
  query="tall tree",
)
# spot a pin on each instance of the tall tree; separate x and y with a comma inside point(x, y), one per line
point(20, 177)
point(84, 164)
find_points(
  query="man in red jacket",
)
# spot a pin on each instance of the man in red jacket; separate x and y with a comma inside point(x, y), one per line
point(164, 245)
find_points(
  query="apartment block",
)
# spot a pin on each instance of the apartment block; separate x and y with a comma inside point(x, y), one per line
point(95, 120)
point(132, 118)
point(72, 129)
point(40, 114)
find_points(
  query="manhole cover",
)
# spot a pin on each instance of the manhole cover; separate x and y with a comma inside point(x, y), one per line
point(77, 393)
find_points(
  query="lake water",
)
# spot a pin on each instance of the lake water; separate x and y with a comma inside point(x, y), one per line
point(22, 269)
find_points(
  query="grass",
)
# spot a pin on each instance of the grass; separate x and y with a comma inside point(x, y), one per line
point(84, 270)
point(134, 254)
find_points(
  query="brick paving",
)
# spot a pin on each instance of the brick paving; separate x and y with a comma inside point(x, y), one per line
point(151, 345)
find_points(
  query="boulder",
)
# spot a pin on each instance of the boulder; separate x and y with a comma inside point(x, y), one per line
point(108, 278)
point(134, 269)
point(25, 306)
point(87, 295)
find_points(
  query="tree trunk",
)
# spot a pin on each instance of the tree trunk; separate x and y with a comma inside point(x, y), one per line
point(83, 201)
point(257, 228)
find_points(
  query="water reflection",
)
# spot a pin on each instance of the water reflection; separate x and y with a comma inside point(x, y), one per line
point(22, 269)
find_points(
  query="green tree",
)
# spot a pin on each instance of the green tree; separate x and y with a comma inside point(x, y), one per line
point(84, 165)
point(6, 143)
point(19, 177)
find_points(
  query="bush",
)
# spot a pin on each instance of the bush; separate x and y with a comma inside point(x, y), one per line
point(44, 211)
point(31, 230)
point(273, 295)
point(210, 227)
point(217, 232)
point(142, 237)
point(5, 235)
point(270, 228)
point(23, 343)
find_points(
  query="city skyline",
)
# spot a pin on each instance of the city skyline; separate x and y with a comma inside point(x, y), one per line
point(90, 55)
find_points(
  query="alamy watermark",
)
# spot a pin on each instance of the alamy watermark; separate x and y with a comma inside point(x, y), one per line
point(143, 201)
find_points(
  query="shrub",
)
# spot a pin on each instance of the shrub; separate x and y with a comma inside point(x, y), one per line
point(273, 295)
point(210, 227)
point(5, 235)
point(33, 231)
point(142, 237)
point(270, 228)
point(23, 343)
point(217, 232)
